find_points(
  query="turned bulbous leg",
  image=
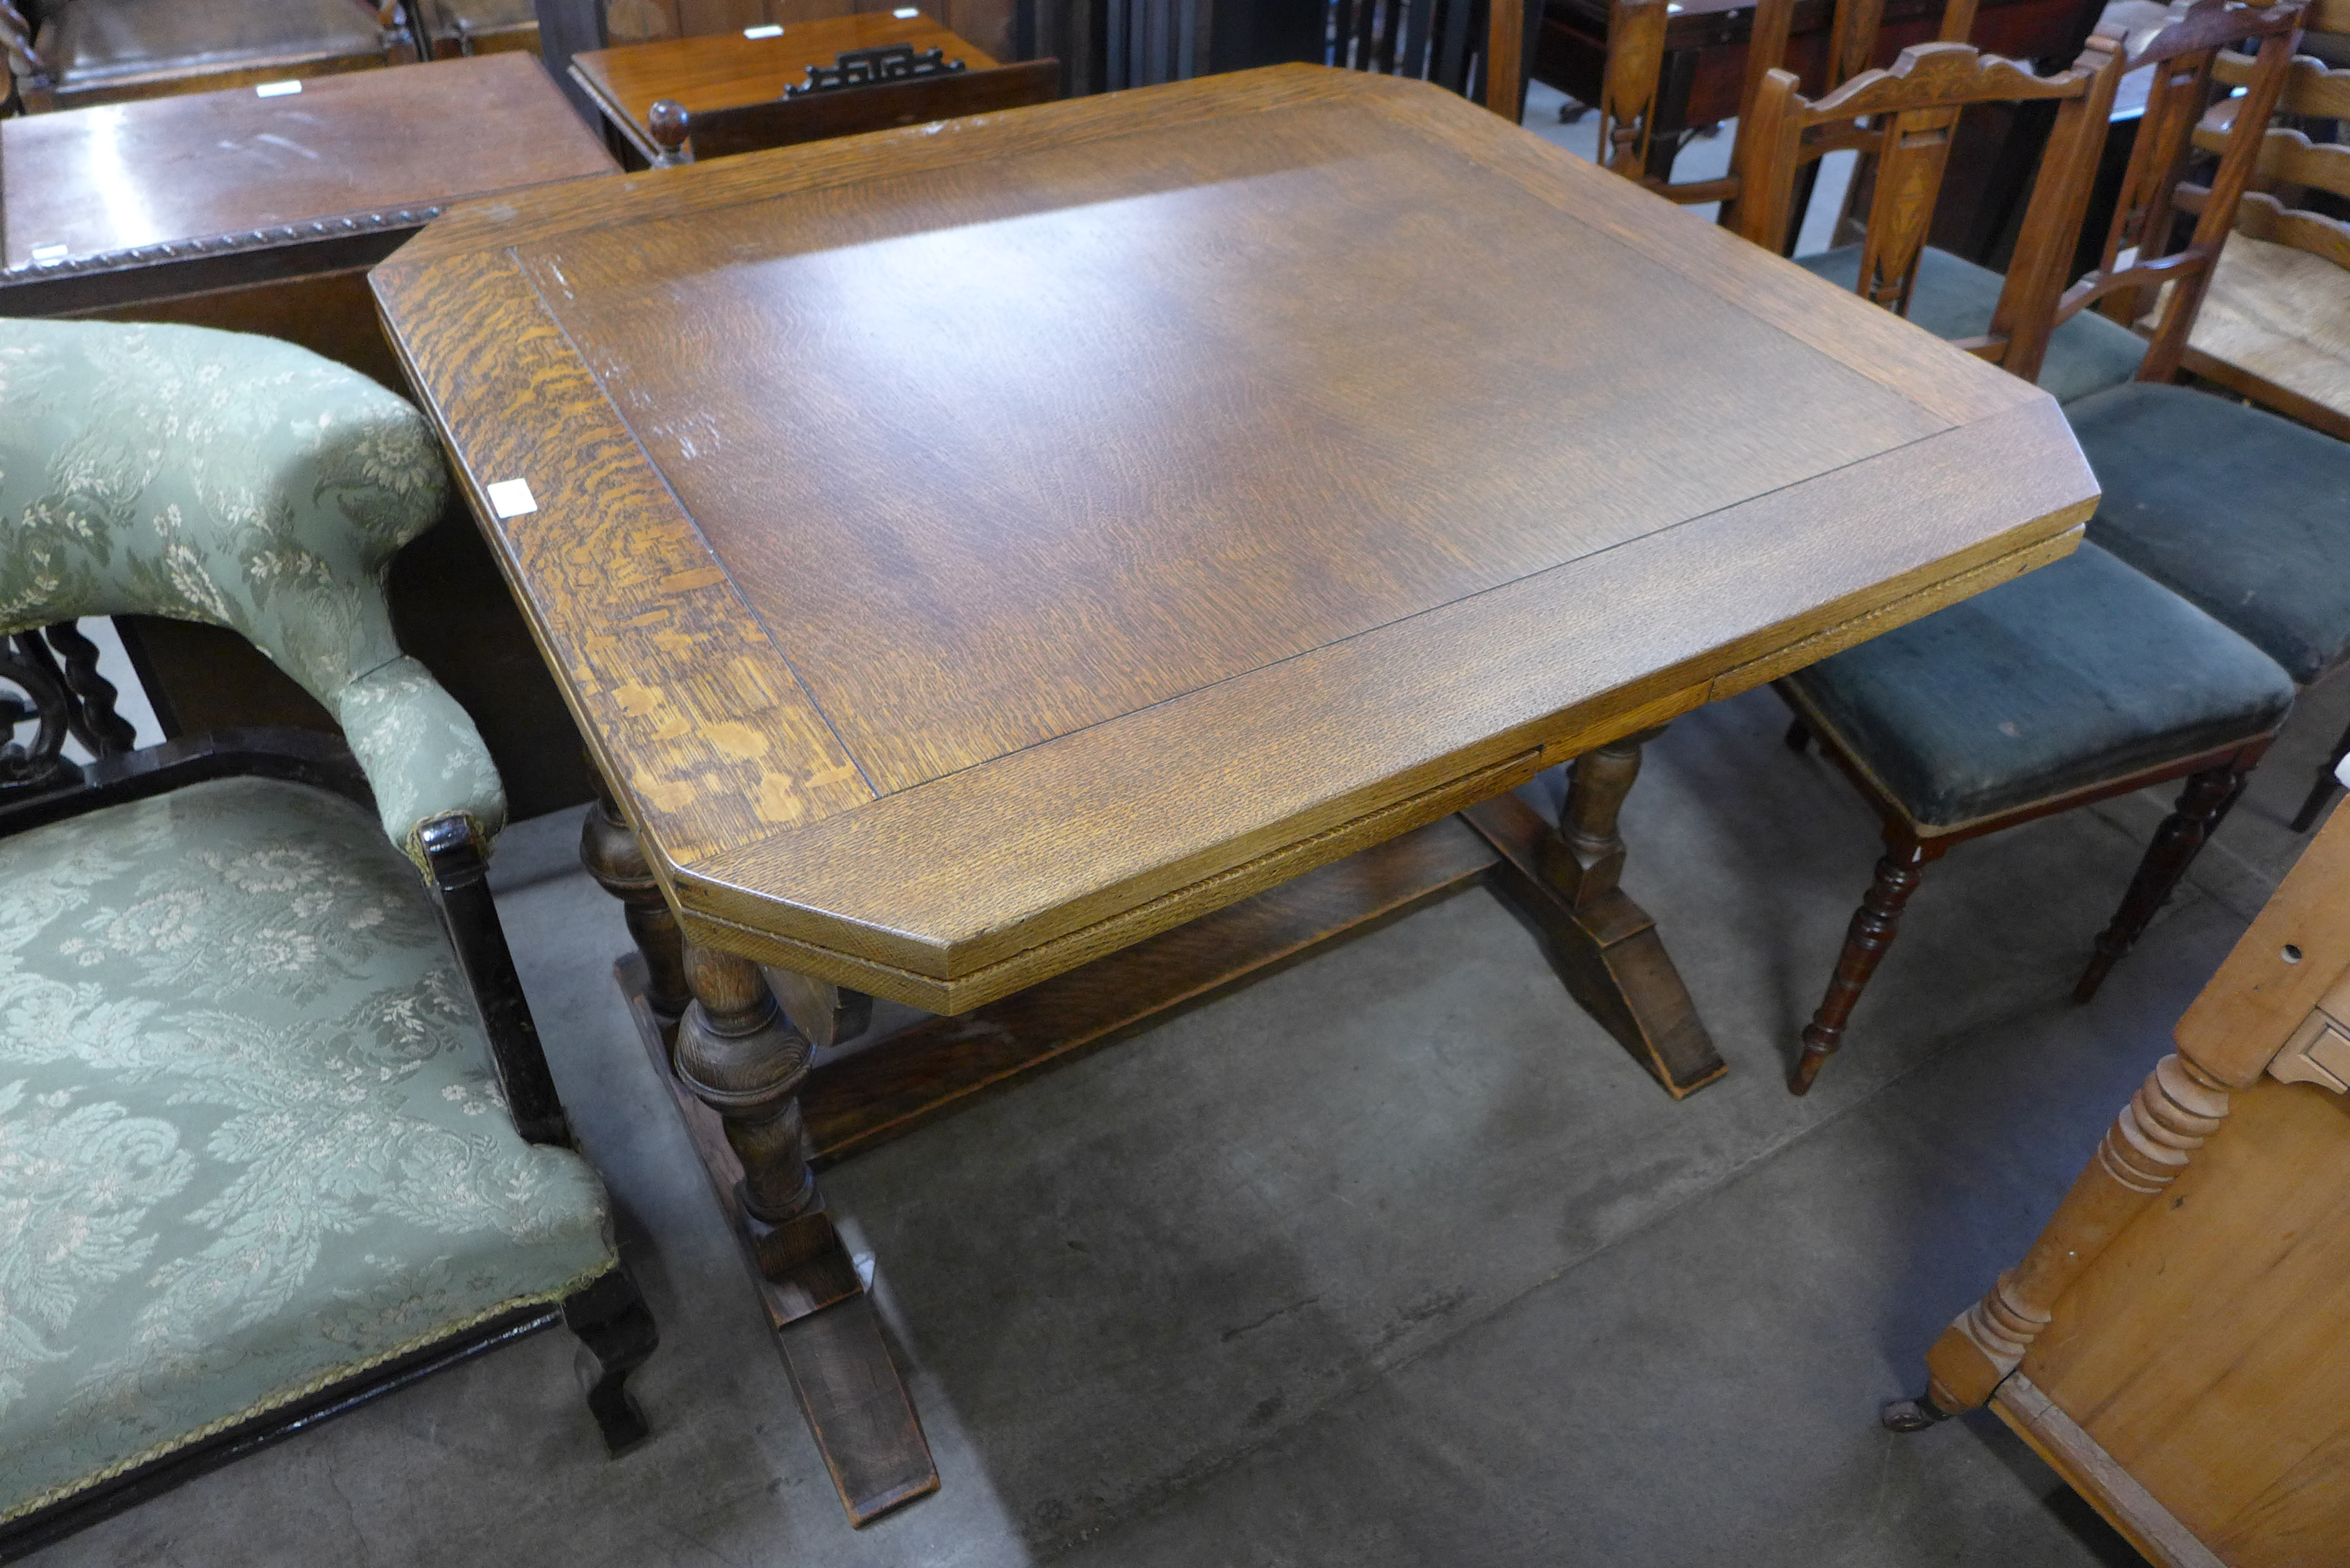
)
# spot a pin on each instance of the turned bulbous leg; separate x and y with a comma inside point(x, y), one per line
point(610, 850)
point(1874, 926)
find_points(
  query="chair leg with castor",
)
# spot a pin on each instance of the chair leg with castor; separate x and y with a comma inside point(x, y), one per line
point(1912, 1415)
point(1874, 927)
point(616, 1334)
point(2322, 789)
point(2201, 805)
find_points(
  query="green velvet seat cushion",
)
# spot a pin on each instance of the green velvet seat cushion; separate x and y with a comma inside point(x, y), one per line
point(2080, 672)
point(2244, 513)
point(1955, 299)
point(250, 1142)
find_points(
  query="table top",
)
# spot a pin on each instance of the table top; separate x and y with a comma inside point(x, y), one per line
point(725, 70)
point(121, 177)
point(973, 548)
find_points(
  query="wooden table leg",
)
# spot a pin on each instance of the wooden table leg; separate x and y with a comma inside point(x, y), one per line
point(735, 1064)
point(1565, 880)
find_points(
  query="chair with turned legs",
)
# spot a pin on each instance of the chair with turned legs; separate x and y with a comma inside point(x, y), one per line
point(2073, 683)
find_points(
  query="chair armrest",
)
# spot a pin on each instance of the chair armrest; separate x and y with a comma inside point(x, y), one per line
point(423, 756)
point(457, 867)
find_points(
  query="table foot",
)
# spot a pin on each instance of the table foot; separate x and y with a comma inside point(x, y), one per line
point(857, 1409)
point(1607, 952)
point(848, 1387)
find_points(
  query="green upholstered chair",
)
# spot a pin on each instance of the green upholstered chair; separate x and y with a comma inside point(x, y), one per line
point(275, 1130)
point(2072, 683)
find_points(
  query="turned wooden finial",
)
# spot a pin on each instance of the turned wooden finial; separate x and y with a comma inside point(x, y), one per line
point(668, 121)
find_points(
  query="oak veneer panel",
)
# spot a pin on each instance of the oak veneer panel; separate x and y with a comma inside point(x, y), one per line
point(772, 423)
point(1117, 430)
point(2203, 1350)
point(197, 165)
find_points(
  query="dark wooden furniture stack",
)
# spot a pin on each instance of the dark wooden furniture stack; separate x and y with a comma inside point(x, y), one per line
point(1274, 647)
point(2172, 1343)
point(1702, 78)
point(263, 214)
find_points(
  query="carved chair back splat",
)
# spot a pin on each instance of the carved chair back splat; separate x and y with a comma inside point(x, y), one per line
point(1905, 116)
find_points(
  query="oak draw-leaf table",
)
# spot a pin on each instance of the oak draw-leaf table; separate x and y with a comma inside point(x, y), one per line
point(1047, 567)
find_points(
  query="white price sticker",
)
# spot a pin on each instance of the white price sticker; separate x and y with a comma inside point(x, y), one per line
point(512, 498)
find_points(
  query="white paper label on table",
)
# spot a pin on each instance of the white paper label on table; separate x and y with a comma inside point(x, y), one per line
point(512, 498)
point(276, 89)
point(772, 30)
point(49, 253)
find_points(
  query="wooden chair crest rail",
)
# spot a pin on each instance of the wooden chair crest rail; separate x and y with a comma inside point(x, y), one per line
point(2171, 1342)
point(882, 103)
point(1632, 93)
point(2275, 320)
point(64, 54)
point(2083, 681)
point(321, 1101)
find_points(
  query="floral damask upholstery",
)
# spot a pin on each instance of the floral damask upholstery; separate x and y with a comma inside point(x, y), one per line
point(251, 1139)
point(250, 1142)
point(243, 481)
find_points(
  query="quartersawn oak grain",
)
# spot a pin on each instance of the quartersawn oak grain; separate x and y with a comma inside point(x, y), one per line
point(1080, 783)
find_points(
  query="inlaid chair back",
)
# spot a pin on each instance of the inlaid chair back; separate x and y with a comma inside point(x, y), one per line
point(1473, 48)
point(1634, 81)
point(1904, 118)
point(2138, 257)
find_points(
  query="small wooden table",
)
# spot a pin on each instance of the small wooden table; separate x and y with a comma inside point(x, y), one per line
point(1046, 567)
point(726, 70)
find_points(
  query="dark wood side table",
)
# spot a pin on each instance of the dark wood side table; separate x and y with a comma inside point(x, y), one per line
point(725, 70)
point(1047, 567)
point(262, 213)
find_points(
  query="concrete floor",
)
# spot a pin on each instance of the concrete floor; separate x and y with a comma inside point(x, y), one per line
point(1394, 1258)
